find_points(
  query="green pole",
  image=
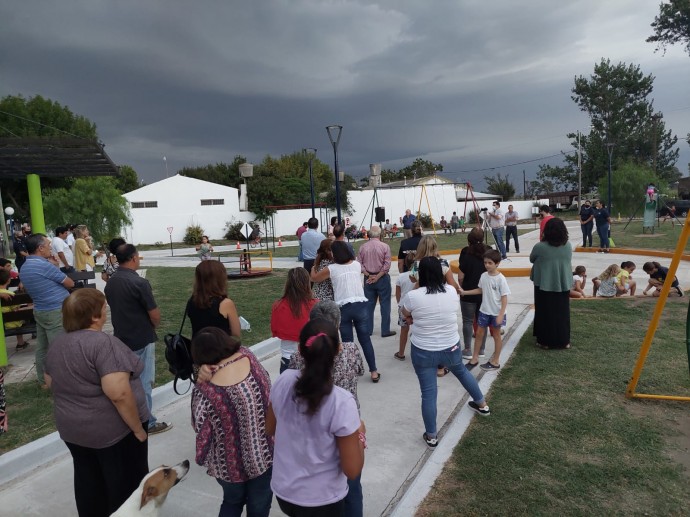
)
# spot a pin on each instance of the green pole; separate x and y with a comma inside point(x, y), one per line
point(3, 345)
point(38, 224)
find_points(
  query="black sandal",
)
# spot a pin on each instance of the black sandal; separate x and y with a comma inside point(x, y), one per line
point(376, 379)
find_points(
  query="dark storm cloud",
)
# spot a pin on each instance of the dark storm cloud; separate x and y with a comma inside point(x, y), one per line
point(469, 85)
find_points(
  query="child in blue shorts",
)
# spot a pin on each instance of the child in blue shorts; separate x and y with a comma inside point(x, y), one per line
point(494, 289)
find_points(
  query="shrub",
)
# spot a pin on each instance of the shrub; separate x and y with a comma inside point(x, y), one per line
point(193, 234)
point(425, 219)
point(233, 230)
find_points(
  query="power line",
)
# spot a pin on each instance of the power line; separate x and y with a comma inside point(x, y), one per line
point(10, 132)
point(39, 124)
point(508, 165)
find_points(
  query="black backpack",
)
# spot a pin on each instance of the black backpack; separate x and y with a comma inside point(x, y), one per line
point(178, 354)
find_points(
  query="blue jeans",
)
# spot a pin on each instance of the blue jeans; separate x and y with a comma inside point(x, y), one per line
point(498, 235)
point(148, 356)
point(587, 233)
point(256, 494)
point(356, 314)
point(425, 365)
point(603, 232)
point(380, 290)
point(354, 506)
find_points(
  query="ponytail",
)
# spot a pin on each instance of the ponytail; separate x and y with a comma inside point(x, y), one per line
point(318, 344)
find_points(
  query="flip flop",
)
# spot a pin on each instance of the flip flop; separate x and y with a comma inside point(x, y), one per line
point(22, 347)
point(442, 372)
point(398, 356)
point(376, 379)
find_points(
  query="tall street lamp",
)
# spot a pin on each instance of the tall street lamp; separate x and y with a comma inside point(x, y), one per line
point(609, 148)
point(334, 133)
point(311, 152)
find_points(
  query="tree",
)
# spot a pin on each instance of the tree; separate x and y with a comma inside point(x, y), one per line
point(616, 99)
point(500, 186)
point(554, 179)
point(221, 173)
point(37, 116)
point(128, 180)
point(95, 202)
point(672, 25)
point(628, 186)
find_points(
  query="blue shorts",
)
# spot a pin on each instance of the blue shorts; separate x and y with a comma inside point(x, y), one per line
point(485, 320)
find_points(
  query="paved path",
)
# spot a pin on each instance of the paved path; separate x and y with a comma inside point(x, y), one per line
point(399, 468)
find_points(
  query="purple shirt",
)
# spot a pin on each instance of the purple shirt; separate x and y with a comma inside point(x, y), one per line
point(306, 459)
point(375, 256)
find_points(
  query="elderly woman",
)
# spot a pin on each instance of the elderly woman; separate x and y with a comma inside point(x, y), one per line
point(229, 418)
point(432, 310)
point(552, 277)
point(99, 405)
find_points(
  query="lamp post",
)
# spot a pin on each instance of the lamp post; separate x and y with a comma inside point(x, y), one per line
point(579, 173)
point(165, 160)
point(311, 151)
point(9, 228)
point(334, 133)
point(609, 148)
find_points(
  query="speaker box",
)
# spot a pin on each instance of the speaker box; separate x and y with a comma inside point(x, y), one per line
point(380, 214)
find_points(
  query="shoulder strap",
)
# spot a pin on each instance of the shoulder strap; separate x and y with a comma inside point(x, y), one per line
point(184, 318)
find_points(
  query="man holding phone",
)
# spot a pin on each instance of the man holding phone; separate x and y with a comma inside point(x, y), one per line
point(496, 221)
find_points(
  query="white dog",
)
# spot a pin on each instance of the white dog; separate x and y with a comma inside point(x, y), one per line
point(150, 495)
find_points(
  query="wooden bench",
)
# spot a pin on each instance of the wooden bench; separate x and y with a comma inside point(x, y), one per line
point(81, 279)
point(25, 314)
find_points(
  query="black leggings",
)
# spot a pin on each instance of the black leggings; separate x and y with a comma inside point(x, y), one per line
point(329, 510)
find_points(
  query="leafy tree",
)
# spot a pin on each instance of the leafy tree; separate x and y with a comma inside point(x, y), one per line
point(628, 186)
point(128, 180)
point(616, 99)
point(672, 25)
point(554, 179)
point(95, 202)
point(221, 173)
point(500, 186)
point(37, 116)
point(420, 169)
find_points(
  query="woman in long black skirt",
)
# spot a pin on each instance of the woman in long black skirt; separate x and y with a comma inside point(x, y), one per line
point(552, 277)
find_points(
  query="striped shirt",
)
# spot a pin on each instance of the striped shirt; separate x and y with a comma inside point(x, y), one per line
point(43, 281)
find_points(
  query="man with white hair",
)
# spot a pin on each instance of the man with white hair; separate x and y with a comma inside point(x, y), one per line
point(375, 258)
point(406, 222)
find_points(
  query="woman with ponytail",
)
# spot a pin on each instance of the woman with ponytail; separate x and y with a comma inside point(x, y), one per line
point(319, 438)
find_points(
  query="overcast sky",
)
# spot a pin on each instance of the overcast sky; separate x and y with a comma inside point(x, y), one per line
point(469, 84)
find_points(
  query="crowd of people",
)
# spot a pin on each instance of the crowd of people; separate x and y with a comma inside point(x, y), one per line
point(246, 423)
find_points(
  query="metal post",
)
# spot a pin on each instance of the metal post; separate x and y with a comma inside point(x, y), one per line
point(609, 147)
point(579, 172)
point(335, 141)
point(311, 151)
point(38, 224)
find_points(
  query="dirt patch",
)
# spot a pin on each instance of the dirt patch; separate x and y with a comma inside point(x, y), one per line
point(678, 441)
point(649, 235)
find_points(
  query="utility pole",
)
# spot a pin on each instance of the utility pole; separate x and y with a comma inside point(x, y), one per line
point(655, 120)
point(579, 172)
point(524, 185)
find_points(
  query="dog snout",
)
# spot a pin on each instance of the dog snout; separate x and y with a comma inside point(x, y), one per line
point(181, 469)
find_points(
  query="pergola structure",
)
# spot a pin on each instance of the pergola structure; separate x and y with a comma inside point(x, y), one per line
point(48, 157)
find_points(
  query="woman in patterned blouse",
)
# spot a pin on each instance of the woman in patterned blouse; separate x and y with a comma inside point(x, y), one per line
point(324, 257)
point(229, 418)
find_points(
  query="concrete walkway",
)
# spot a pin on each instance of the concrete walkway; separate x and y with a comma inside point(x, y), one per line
point(399, 470)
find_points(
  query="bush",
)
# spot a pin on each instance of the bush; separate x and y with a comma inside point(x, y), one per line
point(425, 219)
point(233, 230)
point(193, 234)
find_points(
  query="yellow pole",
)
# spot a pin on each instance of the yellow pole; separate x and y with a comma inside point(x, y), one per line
point(656, 316)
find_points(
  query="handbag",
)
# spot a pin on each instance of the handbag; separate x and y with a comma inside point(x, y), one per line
point(178, 354)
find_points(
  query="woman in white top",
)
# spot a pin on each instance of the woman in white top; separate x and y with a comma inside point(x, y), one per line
point(345, 275)
point(433, 308)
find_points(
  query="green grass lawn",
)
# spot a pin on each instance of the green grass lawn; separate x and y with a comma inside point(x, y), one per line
point(664, 238)
point(562, 438)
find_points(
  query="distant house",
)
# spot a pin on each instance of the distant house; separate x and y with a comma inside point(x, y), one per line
point(175, 203)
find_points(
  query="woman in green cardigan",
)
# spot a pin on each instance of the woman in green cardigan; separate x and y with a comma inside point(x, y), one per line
point(552, 277)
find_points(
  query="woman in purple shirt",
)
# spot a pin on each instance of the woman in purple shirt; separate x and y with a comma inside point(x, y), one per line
point(319, 438)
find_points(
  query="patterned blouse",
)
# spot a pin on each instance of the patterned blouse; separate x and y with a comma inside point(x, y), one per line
point(2, 403)
point(348, 366)
point(324, 290)
point(230, 425)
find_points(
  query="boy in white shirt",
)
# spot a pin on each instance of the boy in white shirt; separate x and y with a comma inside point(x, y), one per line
point(494, 289)
point(403, 285)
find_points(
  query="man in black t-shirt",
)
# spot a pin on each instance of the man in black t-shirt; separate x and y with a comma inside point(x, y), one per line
point(409, 244)
point(587, 223)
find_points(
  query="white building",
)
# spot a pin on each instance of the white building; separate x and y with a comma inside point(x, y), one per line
point(173, 204)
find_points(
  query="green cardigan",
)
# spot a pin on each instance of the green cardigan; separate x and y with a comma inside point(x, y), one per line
point(552, 269)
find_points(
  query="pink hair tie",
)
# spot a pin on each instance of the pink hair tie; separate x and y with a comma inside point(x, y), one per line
point(314, 338)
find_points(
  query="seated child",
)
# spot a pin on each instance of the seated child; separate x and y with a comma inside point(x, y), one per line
point(605, 283)
point(4, 282)
point(657, 276)
point(624, 283)
point(579, 281)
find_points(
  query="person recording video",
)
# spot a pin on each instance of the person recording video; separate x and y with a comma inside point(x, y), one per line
point(496, 222)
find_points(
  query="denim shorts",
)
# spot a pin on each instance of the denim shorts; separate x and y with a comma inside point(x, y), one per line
point(486, 320)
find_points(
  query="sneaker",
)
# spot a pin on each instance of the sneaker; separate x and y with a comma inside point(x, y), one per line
point(469, 365)
point(467, 353)
point(482, 353)
point(431, 442)
point(160, 427)
point(488, 367)
point(484, 411)
point(680, 291)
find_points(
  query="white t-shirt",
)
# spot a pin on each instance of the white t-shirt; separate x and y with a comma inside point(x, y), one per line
point(493, 288)
point(57, 246)
point(494, 222)
point(405, 284)
point(347, 282)
point(576, 279)
point(435, 318)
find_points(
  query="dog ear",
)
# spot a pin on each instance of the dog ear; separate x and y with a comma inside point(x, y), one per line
point(149, 492)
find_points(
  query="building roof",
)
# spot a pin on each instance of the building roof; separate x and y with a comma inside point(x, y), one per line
point(54, 157)
point(179, 183)
point(426, 180)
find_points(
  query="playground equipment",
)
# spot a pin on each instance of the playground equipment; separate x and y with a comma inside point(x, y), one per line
point(239, 265)
point(654, 324)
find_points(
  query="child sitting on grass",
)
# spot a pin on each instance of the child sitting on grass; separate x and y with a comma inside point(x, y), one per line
point(605, 283)
point(579, 281)
point(657, 276)
point(5, 280)
point(494, 289)
point(625, 284)
point(403, 285)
